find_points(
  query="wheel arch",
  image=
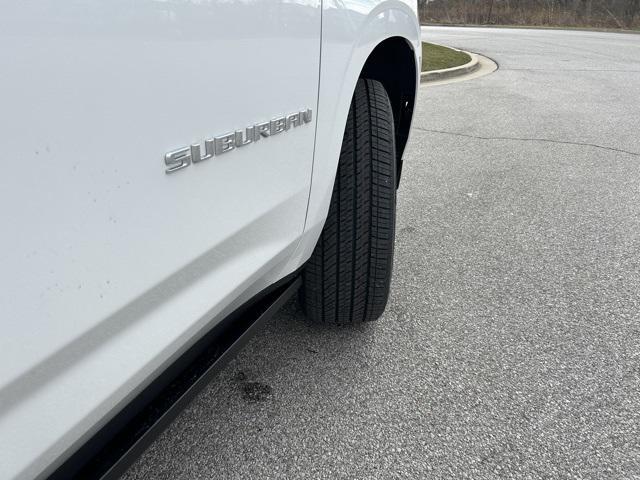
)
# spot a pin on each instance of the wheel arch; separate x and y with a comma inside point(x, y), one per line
point(357, 42)
point(392, 63)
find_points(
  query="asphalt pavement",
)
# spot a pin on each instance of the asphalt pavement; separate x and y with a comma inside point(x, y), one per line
point(511, 344)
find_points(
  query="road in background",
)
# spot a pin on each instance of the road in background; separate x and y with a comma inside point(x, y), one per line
point(511, 343)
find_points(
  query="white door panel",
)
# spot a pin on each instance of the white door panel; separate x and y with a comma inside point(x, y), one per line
point(110, 266)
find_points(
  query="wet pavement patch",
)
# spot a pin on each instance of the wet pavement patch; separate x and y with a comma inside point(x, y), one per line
point(256, 391)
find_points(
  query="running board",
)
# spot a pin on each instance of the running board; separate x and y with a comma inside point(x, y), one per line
point(114, 448)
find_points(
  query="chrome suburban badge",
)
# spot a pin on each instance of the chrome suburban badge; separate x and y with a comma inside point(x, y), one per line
point(215, 146)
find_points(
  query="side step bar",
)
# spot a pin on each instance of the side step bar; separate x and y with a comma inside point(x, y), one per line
point(108, 454)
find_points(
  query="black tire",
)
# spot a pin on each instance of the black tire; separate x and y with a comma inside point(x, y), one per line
point(347, 278)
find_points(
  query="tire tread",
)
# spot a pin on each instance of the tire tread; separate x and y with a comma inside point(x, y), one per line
point(347, 278)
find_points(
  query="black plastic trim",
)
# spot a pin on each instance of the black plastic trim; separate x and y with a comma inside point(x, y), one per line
point(108, 454)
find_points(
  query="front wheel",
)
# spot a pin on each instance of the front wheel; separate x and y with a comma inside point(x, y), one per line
point(347, 278)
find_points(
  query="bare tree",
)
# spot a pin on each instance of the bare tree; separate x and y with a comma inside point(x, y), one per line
point(586, 13)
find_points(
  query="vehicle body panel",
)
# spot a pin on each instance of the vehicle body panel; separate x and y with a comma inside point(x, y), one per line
point(110, 266)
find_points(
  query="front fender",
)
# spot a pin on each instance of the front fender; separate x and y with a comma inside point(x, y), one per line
point(351, 30)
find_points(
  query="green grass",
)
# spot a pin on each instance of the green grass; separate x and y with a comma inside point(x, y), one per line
point(436, 57)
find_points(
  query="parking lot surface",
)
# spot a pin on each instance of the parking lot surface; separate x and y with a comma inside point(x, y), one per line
point(511, 344)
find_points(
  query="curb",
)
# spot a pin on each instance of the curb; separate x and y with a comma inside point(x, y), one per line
point(469, 67)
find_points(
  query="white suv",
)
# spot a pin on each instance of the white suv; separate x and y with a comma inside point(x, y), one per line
point(168, 162)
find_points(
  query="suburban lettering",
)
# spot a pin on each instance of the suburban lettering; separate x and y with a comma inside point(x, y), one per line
point(183, 157)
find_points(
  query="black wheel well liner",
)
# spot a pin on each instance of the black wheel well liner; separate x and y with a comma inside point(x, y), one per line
point(393, 64)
